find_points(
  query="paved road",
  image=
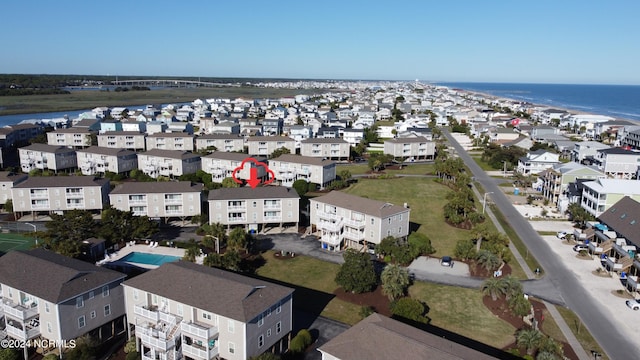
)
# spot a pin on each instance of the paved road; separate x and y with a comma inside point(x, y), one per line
point(576, 297)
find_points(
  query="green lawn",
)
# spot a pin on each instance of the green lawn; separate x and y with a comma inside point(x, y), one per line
point(461, 311)
point(483, 165)
point(582, 334)
point(310, 273)
point(425, 197)
point(12, 241)
point(412, 169)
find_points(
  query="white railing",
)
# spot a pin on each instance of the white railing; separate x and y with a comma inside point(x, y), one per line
point(632, 282)
point(175, 200)
point(40, 195)
point(325, 215)
point(612, 264)
point(333, 240)
point(21, 334)
point(237, 219)
point(272, 218)
point(354, 235)
point(198, 330)
point(330, 226)
point(149, 314)
point(152, 337)
point(358, 224)
point(237, 207)
point(17, 311)
point(272, 206)
point(194, 352)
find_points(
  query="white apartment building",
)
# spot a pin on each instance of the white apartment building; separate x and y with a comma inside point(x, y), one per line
point(353, 136)
point(332, 149)
point(55, 297)
point(417, 148)
point(7, 181)
point(98, 160)
point(288, 168)
point(130, 140)
point(254, 209)
point(158, 199)
point(170, 141)
point(222, 164)
point(221, 142)
point(265, 145)
point(171, 163)
point(47, 157)
point(599, 195)
point(343, 220)
point(55, 194)
point(75, 138)
point(537, 161)
point(618, 162)
point(586, 150)
point(206, 313)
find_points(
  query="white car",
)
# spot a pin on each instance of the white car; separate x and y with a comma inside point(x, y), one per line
point(561, 234)
point(633, 304)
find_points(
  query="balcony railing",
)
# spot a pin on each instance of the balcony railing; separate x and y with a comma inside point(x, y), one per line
point(21, 333)
point(632, 283)
point(354, 235)
point(358, 224)
point(237, 219)
point(272, 218)
point(152, 315)
point(328, 216)
point(198, 330)
point(333, 240)
point(18, 311)
point(156, 338)
point(200, 352)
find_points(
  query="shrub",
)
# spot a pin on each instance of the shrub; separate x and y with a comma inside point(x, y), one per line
point(130, 346)
point(301, 341)
point(133, 356)
point(365, 311)
point(409, 308)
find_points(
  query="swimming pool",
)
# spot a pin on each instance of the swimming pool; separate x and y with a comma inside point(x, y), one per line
point(148, 259)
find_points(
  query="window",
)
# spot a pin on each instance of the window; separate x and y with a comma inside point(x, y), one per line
point(179, 310)
point(105, 291)
point(107, 310)
point(91, 295)
point(92, 314)
point(255, 204)
point(230, 326)
point(278, 327)
point(260, 340)
point(206, 316)
point(268, 332)
point(79, 302)
point(232, 348)
point(46, 307)
point(49, 327)
point(81, 322)
point(372, 221)
point(400, 230)
point(260, 320)
point(135, 294)
point(268, 312)
point(278, 308)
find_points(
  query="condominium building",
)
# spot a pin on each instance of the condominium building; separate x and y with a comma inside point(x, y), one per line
point(265, 145)
point(54, 297)
point(220, 142)
point(47, 157)
point(347, 221)
point(288, 168)
point(537, 161)
point(254, 209)
point(7, 181)
point(76, 138)
point(171, 163)
point(158, 199)
point(18, 134)
point(222, 164)
point(618, 162)
point(98, 160)
point(182, 309)
point(130, 140)
point(585, 151)
point(330, 148)
point(170, 141)
point(599, 195)
point(556, 180)
point(55, 194)
point(417, 148)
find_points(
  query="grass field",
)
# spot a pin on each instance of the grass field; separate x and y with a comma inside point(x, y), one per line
point(425, 197)
point(9, 242)
point(87, 99)
point(413, 169)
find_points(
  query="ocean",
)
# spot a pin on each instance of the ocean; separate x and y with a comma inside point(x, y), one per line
point(618, 101)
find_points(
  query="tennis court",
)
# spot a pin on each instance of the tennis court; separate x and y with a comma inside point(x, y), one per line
point(9, 241)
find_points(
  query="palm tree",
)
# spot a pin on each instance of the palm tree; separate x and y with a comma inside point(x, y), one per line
point(479, 232)
point(513, 287)
point(543, 355)
point(488, 260)
point(395, 280)
point(493, 287)
point(529, 339)
point(551, 346)
point(212, 232)
point(191, 253)
point(237, 239)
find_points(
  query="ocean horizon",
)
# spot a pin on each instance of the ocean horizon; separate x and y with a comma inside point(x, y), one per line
point(618, 101)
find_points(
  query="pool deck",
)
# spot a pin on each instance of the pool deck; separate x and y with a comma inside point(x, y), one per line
point(142, 248)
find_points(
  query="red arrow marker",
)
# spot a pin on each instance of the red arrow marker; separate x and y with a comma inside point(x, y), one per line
point(253, 178)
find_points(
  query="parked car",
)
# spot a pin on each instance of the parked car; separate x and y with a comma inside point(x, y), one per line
point(633, 304)
point(580, 247)
point(446, 261)
point(561, 234)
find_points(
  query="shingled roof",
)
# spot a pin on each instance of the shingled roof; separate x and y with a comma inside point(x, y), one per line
point(624, 218)
point(372, 207)
point(160, 187)
point(380, 337)
point(52, 277)
point(261, 192)
point(222, 292)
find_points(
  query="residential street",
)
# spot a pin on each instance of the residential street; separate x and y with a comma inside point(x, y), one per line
point(616, 344)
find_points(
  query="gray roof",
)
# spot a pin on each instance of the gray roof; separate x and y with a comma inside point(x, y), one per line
point(171, 154)
point(624, 218)
point(221, 137)
point(395, 340)
point(161, 187)
point(116, 133)
point(72, 130)
point(234, 156)
point(8, 176)
point(218, 291)
point(52, 277)
point(106, 151)
point(324, 141)
point(170, 135)
point(372, 207)
point(299, 159)
point(55, 149)
point(418, 139)
point(60, 181)
point(618, 151)
point(270, 138)
point(263, 192)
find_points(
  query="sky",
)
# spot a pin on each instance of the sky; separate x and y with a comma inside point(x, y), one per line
point(541, 41)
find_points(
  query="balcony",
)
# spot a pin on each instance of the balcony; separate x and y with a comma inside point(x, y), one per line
point(272, 206)
point(156, 338)
point(198, 330)
point(356, 224)
point(330, 226)
point(328, 216)
point(17, 311)
point(354, 235)
point(333, 240)
point(21, 332)
point(200, 352)
point(150, 313)
point(272, 218)
point(173, 200)
point(134, 201)
point(243, 206)
point(43, 194)
point(237, 219)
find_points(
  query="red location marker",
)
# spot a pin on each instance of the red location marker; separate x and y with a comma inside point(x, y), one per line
point(253, 180)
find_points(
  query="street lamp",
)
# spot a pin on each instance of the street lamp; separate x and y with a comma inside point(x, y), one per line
point(217, 243)
point(35, 231)
point(484, 200)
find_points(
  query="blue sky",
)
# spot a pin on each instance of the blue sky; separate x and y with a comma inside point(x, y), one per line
point(541, 41)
